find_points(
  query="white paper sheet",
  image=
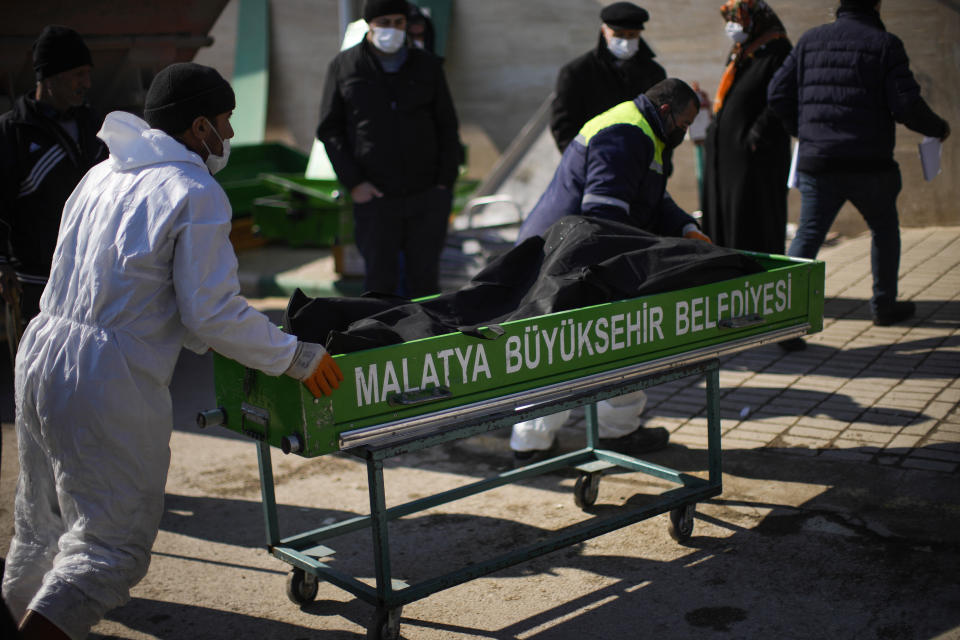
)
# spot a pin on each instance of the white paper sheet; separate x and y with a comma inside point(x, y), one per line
point(930, 150)
point(792, 176)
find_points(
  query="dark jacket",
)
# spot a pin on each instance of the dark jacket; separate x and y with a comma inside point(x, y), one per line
point(613, 169)
point(747, 160)
point(40, 164)
point(594, 82)
point(395, 130)
point(841, 90)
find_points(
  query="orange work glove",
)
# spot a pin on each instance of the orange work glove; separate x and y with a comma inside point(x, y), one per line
point(316, 368)
point(696, 235)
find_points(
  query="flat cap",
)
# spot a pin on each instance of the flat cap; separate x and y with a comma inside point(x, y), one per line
point(624, 15)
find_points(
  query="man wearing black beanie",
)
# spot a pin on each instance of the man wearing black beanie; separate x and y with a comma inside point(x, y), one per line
point(47, 142)
point(389, 127)
point(841, 91)
point(143, 267)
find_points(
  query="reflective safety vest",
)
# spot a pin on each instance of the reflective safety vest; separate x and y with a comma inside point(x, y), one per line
point(620, 175)
point(624, 113)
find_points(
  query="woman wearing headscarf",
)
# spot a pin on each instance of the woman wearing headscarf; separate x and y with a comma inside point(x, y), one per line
point(747, 148)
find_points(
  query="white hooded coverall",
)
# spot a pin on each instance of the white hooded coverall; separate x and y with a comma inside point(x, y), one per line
point(616, 417)
point(143, 266)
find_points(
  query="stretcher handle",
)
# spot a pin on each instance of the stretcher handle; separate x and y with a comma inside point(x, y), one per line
point(475, 331)
point(212, 417)
point(741, 322)
point(414, 398)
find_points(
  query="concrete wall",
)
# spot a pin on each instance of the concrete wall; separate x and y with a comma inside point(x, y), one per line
point(503, 56)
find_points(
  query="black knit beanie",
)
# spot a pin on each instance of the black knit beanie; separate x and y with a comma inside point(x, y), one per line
point(59, 49)
point(183, 91)
point(376, 8)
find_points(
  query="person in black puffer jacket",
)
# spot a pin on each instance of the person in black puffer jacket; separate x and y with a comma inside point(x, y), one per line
point(840, 91)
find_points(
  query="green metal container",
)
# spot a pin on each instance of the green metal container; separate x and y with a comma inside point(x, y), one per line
point(242, 177)
point(280, 218)
point(304, 213)
point(396, 383)
point(463, 190)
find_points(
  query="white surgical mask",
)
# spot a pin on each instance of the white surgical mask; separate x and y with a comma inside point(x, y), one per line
point(621, 48)
point(387, 39)
point(214, 162)
point(736, 33)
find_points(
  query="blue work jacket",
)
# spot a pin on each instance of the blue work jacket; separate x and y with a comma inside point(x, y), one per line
point(613, 169)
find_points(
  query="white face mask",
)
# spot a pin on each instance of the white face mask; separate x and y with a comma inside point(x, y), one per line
point(387, 39)
point(736, 33)
point(621, 48)
point(214, 162)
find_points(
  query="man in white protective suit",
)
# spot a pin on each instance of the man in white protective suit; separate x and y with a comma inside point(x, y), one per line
point(143, 266)
point(619, 429)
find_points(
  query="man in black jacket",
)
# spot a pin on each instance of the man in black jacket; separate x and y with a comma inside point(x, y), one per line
point(389, 128)
point(840, 91)
point(47, 143)
point(618, 69)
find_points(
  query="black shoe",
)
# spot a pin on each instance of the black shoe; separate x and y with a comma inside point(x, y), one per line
point(793, 344)
point(643, 440)
point(897, 312)
point(523, 458)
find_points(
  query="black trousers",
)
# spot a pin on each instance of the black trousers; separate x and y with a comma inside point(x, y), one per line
point(408, 230)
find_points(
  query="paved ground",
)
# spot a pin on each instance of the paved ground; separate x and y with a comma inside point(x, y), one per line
point(839, 517)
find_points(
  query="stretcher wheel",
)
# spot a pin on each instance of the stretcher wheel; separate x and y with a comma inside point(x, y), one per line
point(385, 624)
point(681, 522)
point(586, 490)
point(302, 587)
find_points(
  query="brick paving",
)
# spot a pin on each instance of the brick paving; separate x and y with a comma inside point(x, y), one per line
point(859, 393)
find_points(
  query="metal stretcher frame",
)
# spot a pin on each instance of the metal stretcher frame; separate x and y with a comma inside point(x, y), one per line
point(306, 552)
point(365, 420)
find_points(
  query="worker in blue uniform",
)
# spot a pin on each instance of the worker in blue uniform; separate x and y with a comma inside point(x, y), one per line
point(614, 169)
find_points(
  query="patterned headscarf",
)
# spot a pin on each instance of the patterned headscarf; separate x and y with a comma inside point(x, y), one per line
point(760, 24)
point(755, 16)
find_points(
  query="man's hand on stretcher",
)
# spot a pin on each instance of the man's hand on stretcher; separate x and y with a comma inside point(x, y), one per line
point(316, 368)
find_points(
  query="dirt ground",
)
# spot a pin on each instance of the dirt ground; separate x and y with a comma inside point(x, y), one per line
point(795, 547)
point(839, 515)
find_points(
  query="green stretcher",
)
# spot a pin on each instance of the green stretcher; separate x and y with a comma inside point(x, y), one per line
point(411, 396)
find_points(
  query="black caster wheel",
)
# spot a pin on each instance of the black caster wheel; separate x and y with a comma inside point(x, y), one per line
point(586, 490)
point(385, 624)
point(302, 587)
point(681, 522)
